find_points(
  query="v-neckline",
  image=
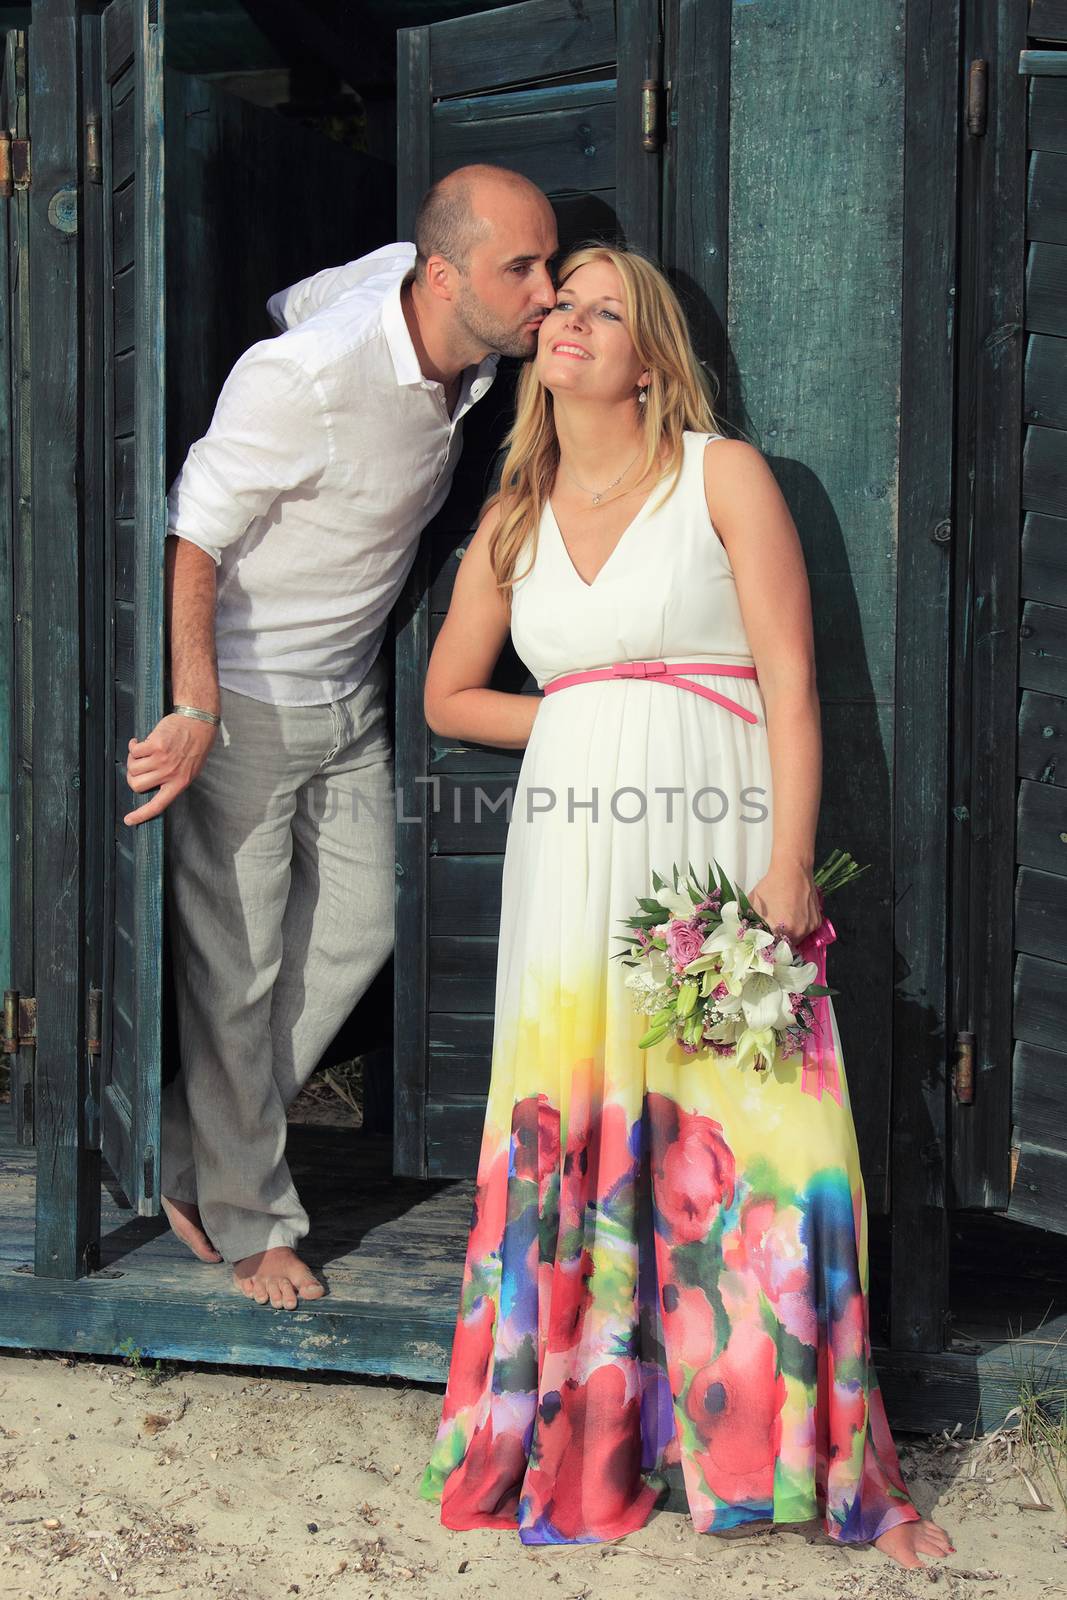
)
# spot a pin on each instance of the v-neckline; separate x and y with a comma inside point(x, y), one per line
point(634, 520)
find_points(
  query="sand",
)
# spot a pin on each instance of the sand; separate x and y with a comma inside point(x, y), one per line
point(210, 1482)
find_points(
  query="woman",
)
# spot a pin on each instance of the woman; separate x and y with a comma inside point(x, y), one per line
point(668, 1256)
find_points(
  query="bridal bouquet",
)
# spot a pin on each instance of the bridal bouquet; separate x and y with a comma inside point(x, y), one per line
point(711, 973)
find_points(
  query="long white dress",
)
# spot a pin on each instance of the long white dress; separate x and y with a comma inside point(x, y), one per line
point(668, 1256)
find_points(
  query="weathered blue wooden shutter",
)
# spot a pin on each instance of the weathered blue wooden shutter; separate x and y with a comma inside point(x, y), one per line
point(133, 536)
point(1039, 1017)
point(1009, 1108)
point(555, 91)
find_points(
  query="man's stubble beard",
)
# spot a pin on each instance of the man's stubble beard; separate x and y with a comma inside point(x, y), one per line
point(484, 329)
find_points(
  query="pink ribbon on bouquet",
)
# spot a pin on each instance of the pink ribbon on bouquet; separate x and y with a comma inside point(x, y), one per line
point(820, 1070)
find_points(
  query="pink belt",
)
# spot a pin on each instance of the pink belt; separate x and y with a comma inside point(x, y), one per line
point(660, 672)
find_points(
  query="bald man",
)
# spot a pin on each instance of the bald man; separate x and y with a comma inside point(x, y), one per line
point(291, 529)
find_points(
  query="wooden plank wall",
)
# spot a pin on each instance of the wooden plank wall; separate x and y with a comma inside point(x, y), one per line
point(987, 603)
point(813, 379)
point(20, 971)
point(412, 655)
point(8, 705)
point(919, 1284)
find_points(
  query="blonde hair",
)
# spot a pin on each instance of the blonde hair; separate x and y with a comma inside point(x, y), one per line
point(680, 397)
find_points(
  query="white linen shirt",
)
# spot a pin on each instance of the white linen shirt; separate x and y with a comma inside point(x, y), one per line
point(327, 455)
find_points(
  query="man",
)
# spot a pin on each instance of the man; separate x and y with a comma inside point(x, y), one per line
point(293, 525)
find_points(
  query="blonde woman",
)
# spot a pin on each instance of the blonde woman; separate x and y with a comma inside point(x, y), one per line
point(668, 1255)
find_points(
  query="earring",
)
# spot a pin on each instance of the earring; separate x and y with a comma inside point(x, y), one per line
point(642, 398)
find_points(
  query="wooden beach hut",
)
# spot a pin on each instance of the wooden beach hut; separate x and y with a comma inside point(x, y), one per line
point(864, 207)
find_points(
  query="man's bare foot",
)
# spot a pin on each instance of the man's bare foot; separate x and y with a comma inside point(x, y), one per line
point(904, 1542)
point(184, 1218)
point(277, 1277)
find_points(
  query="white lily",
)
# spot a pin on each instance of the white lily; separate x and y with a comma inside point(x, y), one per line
point(756, 1045)
point(764, 1002)
point(678, 904)
point(793, 978)
point(738, 953)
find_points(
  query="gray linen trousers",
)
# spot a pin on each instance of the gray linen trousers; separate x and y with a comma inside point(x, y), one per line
point(280, 879)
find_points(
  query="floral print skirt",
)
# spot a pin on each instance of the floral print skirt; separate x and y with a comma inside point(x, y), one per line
point(667, 1264)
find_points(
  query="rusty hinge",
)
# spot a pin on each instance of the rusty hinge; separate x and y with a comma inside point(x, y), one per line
point(93, 1019)
point(91, 1103)
point(14, 164)
point(651, 115)
point(20, 1022)
point(963, 1069)
point(94, 160)
point(977, 97)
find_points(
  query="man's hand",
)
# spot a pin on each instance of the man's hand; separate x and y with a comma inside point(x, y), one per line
point(168, 760)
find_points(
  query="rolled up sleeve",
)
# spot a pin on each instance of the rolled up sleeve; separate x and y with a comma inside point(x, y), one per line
point(269, 436)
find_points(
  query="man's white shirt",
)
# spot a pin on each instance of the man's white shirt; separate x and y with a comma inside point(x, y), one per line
point(327, 455)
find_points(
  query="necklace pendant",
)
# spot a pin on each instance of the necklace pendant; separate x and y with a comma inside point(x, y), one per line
point(596, 499)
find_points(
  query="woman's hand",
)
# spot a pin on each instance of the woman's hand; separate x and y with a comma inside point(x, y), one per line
point(787, 898)
point(168, 760)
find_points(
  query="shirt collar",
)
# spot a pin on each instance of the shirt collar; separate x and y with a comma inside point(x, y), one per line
point(405, 361)
point(476, 380)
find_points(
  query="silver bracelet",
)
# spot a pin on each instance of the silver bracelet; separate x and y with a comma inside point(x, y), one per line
point(198, 716)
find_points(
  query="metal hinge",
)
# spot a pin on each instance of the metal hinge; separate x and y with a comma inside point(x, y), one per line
point(20, 1022)
point(94, 1009)
point(963, 1069)
point(93, 1096)
point(14, 164)
point(977, 97)
point(94, 160)
point(651, 115)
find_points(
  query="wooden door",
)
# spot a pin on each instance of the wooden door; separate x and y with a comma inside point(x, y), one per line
point(1009, 953)
point(781, 233)
point(133, 531)
point(554, 91)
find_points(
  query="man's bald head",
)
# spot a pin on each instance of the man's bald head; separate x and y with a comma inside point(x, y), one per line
point(464, 208)
point(485, 238)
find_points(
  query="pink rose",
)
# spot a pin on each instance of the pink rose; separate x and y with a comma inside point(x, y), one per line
point(684, 941)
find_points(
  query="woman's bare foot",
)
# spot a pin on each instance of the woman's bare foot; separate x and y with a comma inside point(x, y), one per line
point(184, 1218)
point(904, 1542)
point(277, 1276)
